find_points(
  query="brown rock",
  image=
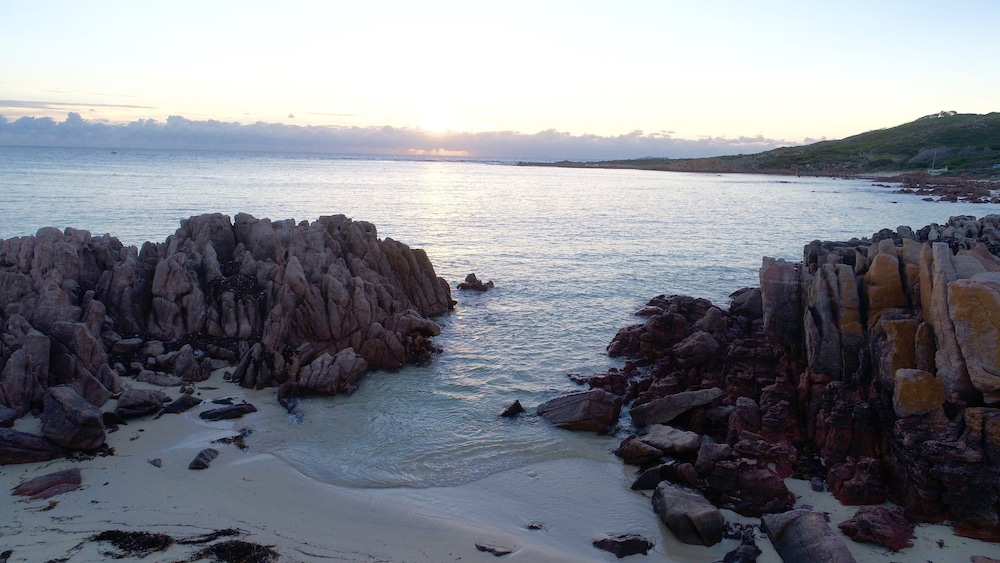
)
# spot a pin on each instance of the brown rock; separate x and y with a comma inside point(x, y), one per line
point(916, 392)
point(974, 307)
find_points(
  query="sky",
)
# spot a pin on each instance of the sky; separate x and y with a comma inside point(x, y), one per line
point(719, 76)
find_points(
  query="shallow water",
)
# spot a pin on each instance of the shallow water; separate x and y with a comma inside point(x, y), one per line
point(573, 253)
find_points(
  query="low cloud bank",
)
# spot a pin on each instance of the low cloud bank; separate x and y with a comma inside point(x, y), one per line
point(180, 133)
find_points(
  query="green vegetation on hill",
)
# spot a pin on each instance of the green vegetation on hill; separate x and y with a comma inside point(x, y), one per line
point(963, 143)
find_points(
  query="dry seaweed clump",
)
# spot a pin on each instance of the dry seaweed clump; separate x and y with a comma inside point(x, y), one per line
point(238, 551)
point(134, 544)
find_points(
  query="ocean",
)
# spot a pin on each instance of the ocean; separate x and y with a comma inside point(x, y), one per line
point(573, 253)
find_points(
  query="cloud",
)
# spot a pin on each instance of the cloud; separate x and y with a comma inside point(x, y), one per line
point(25, 104)
point(180, 133)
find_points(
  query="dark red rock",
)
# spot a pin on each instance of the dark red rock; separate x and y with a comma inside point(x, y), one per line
point(857, 482)
point(880, 525)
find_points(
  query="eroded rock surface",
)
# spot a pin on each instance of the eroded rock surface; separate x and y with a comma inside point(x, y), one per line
point(310, 304)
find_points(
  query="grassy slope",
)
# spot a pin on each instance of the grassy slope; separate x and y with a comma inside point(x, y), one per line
point(964, 143)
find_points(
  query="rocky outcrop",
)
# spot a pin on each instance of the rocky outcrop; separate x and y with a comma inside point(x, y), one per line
point(872, 365)
point(281, 297)
point(475, 284)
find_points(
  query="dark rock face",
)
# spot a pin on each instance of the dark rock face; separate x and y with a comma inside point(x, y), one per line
point(86, 311)
point(71, 422)
point(595, 410)
point(804, 535)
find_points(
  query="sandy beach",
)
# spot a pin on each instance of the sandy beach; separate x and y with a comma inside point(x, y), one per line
point(549, 511)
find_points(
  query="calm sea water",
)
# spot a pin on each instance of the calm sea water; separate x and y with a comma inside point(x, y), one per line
point(572, 252)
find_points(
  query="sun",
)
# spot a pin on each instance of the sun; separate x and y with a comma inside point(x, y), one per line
point(437, 121)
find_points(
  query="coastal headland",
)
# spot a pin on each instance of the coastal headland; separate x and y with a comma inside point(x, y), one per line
point(868, 370)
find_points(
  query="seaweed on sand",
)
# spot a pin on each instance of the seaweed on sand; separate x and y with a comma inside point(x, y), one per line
point(134, 544)
point(238, 551)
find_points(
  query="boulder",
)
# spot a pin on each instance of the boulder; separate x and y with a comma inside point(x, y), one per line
point(225, 413)
point(671, 440)
point(50, 484)
point(134, 403)
point(595, 410)
point(804, 535)
point(7, 417)
point(747, 303)
point(665, 409)
point(70, 421)
point(781, 302)
point(330, 375)
point(623, 545)
point(21, 447)
point(974, 307)
point(634, 451)
point(688, 515)
point(880, 525)
point(187, 367)
point(695, 349)
point(204, 458)
point(159, 378)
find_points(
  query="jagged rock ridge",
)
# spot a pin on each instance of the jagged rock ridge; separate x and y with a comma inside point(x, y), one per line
point(284, 299)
